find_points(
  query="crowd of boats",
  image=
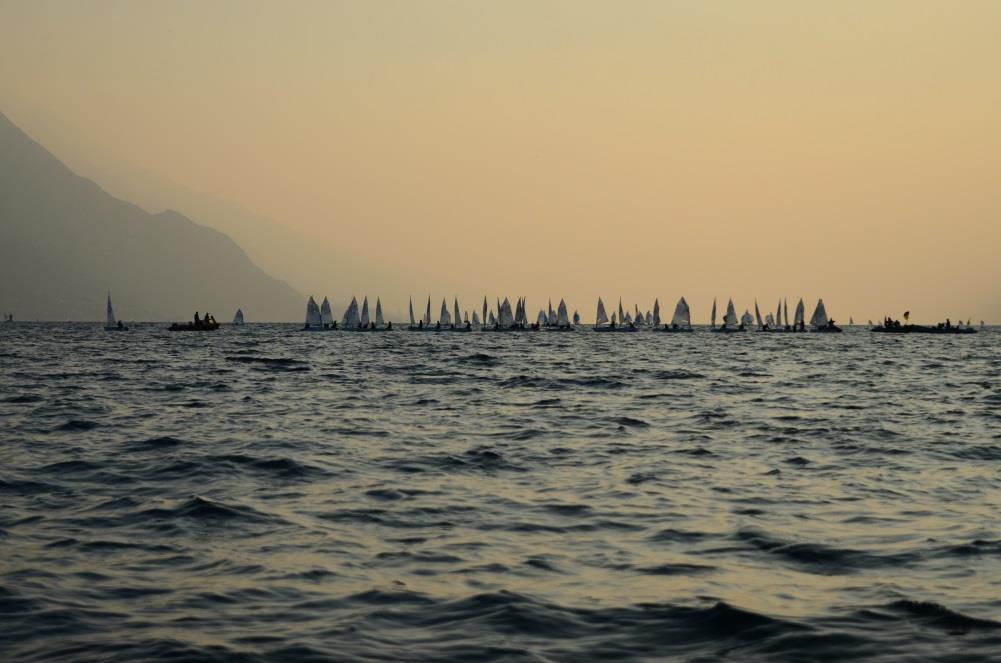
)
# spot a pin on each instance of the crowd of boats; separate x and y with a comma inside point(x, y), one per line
point(507, 318)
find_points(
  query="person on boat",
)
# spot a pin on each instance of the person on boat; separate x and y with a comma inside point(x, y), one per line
point(741, 327)
point(469, 326)
point(437, 326)
point(120, 325)
point(420, 324)
point(389, 326)
point(196, 318)
point(948, 323)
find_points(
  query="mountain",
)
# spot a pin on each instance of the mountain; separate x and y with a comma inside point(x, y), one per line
point(64, 242)
point(312, 264)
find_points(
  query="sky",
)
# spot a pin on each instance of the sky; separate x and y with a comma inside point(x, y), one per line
point(846, 150)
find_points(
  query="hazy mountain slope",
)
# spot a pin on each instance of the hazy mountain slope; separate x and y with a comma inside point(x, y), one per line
point(64, 241)
point(311, 265)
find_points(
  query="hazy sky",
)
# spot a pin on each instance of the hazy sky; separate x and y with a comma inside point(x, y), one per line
point(850, 150)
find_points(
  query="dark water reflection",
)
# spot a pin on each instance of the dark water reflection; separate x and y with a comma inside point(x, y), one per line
point(268, 494)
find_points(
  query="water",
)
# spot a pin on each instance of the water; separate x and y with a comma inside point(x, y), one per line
point(264, 494)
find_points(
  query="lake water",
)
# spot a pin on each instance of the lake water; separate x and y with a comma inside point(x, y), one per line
point(263, 494)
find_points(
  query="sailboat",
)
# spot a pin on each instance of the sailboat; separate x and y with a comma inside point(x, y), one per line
point(110, 323)
point(747, 319)
point(681, 321)
point(424, 324)
point(380, 322)
point(455, 320)
point(799, 321)
point(757, 316)
point(444, 317)
point(712, 316)
point(506, 320)
point(326, 317)
point(351, 320)
point(819, 321)
point(313, 319)
point(562, 322)
point(730, 321)
point(601, 318)
point(364, 321)
point(238, 318)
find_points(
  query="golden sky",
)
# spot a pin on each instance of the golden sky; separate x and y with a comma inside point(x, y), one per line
point(849, 150)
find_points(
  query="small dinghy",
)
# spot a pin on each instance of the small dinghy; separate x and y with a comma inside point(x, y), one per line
point(562, 322)
point(314, 319)
point(424, 324)
point(326, 315)
point(681, 321)
point(731, 323)
point(820, 323)
point(110, 323)
point(238, 318)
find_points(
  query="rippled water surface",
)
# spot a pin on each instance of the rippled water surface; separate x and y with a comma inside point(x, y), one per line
point(265, 494)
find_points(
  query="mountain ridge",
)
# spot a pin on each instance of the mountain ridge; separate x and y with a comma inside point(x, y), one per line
point(65, 241)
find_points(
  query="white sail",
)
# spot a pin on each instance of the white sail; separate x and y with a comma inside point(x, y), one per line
point(757, 315)
point(770, 321)
point(458, 315)
point(550, 314)
point(364, 314)
point(648, 318)
point(484, 307)
point(730, 319)
point(350, 319)
point(778, 314)
point(476, 319)
point(521, 315)
point(819, 317)
point(656, 313)
point(312, 314)
point(379, 322)
point(600, 317)
point(238, 318)
point(682, 316)
point(800, 314)
point(541, 320)
point(747, 319)
point(613, 317)
point(561, 315)
point(110, 321)
point(326, 318)
point(785, 311)
point(427, 313)
point(492, 320)
point(444, 317)
point(622, 315)
point(712, 316)
point(412, 321)
point(628, 319)
point(505, 317)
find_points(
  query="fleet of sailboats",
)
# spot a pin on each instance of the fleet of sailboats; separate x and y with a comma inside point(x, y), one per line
point(507, 318)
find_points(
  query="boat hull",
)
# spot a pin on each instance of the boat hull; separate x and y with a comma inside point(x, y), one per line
point(115, 329)
point(922, 329)
point(616, 330)
point(195, 328)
